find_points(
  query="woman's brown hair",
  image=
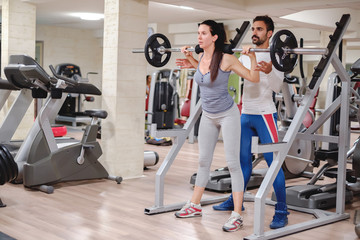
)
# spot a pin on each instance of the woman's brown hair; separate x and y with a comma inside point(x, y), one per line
point(216, 29)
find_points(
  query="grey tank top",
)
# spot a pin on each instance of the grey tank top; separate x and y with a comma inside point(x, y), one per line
point(214, 95)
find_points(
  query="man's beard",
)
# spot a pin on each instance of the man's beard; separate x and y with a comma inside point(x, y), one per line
point(257, 41)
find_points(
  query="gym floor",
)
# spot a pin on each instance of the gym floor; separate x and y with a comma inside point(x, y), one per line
point(98, 209)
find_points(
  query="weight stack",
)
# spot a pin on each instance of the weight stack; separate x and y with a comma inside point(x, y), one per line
point(163, 112)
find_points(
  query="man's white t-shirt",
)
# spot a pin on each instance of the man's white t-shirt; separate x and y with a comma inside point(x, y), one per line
point(257, 98)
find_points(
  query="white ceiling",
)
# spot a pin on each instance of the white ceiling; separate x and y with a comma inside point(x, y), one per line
point(319, 14)
point(56, 12)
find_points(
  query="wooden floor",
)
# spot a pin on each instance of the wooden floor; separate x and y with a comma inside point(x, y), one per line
point(102, 209)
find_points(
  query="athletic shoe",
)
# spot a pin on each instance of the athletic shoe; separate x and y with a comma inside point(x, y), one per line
point(228, 205)
point(189, 210)
point(280, 218)
point(234, 223)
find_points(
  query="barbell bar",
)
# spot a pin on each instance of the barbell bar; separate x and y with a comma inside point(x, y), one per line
point(302, 51)
point(283, 53)
point(163, 50)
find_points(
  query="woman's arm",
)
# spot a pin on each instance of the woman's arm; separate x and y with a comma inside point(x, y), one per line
point(183, 63)
point(189, 56)
point(193, 61)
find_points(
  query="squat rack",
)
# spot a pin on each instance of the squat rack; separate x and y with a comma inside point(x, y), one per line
point(281, 149)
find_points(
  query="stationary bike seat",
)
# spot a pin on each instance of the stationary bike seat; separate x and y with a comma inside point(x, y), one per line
point(96, 113)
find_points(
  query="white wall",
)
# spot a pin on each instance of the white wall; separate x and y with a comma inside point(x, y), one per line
point(186, 34)
point(84, 47)
point(77, 46)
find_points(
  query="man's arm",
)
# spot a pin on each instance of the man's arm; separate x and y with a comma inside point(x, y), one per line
point(275, 77)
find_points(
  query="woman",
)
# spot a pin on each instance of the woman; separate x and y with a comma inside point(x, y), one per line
point(219, 111)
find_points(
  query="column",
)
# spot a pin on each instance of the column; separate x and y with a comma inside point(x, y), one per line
point(18, 37)
point(123, 87)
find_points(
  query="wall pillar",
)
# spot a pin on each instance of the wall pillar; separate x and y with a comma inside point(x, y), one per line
point(18, 31)
point(123, 87)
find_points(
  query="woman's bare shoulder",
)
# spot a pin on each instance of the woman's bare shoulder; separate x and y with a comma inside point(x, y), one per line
point(229, 57)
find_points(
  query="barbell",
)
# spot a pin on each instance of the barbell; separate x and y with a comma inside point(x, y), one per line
point(283, 50)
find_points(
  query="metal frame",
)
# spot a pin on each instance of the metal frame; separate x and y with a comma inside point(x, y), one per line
point(4, 94)
point(49, 110)
point(194, 94)
point(280, 149)
point(332, 82)
point(179, 136)
point(15, 114)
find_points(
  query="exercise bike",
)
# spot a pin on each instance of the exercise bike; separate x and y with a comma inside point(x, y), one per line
point(40, 161)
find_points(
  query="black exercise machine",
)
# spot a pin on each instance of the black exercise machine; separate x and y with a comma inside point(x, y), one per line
point(71, 109)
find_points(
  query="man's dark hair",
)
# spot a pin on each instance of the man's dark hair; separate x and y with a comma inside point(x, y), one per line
point(267, 20)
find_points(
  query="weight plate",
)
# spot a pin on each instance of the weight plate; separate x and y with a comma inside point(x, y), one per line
point(356, 160)
point(4, 175)
point(284, 62)
point(301, 149)
point(152, 55)
point(13, 168)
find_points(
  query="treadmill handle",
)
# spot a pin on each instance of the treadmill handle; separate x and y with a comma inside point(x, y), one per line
point(67, 80)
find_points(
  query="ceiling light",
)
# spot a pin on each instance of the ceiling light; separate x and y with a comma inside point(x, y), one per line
point(187, 8)
point(177, 6)
point(89, 16)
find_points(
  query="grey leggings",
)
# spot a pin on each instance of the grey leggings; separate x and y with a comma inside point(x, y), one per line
point(209, 129)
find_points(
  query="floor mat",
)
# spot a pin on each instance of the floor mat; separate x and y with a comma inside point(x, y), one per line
point(4, 236)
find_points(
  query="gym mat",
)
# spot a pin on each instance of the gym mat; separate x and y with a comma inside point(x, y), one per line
point(357, 217)
point(4, 236)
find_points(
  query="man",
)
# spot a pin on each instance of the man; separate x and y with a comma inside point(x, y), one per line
point(259, 117)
